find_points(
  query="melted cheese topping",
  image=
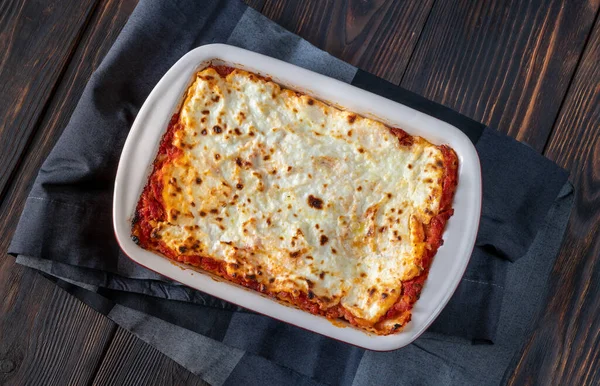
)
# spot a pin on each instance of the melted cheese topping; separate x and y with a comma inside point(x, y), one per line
point(300, 195)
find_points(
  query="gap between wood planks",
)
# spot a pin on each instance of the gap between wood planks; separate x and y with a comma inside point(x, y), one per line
point(577, 67)
point(54, 113)
point(564, 346)
point(411, 56)
point(75, 43)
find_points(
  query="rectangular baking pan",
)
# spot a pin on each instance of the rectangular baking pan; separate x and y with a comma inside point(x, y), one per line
point(165, 99)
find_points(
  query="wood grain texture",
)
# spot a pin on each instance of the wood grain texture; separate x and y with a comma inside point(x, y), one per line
point(48, 337)
point(108, 20)
point(565, 347)
point(504, 63)
point(25, 295)
point(377, 36)
point(130, 361)
point(37, 39)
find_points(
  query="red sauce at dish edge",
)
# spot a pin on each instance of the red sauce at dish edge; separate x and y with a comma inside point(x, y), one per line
point(411, 289)
point(150, 209)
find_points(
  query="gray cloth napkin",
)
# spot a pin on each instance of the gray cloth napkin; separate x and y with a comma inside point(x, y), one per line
point(66, 228)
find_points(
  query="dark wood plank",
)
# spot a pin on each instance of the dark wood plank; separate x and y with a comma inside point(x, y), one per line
point(378, 36)
point(256, 4)
point(24, 294)
point(504, 63)
point(130, 361)
point(36, 41)
point(29, 285)
point(565, 348)
point(107, 22)
point(59, 341)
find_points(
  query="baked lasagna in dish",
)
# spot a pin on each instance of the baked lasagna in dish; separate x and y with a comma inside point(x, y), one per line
point(336, 214)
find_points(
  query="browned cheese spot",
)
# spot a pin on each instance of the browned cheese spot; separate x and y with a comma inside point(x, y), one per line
point(217, 129)
point(351, 118)
point(324, 239)
point(315, 202)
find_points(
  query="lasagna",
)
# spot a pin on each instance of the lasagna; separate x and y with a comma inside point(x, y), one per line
point(318, 207)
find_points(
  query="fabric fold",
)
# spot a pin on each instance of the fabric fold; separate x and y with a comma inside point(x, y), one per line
point(66, 227)
point(67, 218)
point(431, 360)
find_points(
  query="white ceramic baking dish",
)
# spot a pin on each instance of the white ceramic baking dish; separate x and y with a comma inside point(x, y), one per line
point(151, 122)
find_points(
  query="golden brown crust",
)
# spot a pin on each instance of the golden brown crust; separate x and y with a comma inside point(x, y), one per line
point(150, 210)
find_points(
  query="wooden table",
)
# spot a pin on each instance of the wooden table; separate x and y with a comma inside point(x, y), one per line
point(529, 68)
